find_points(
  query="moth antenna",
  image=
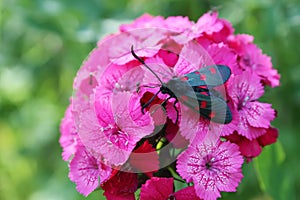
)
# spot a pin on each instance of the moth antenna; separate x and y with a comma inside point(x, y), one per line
point(141, 61)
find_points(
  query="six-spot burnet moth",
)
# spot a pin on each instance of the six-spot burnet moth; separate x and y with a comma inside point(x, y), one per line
point(196, 87)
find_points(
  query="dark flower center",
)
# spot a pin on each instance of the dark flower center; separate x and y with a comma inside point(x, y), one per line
point(208, 162)
point(208, 165)
point(242, 102)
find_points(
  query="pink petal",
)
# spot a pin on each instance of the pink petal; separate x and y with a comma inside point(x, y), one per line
point(209, 23)
point(248, 131)
point(68, 138)
point(192, 57)
point(222, 54)
point(140, 51)
point(130, 79)
point(228, 129)
point(253, 58)
point(158, 114)
point(144, 21)
point(211, 193)
point(103, 110)
point(112, 74)
point(160, 69)
point(244, 88)
point(182, 164)
point(259, 114)
point(147, 46)
point(171, 112)
point(128, 116)
point(178, 23)
point(87, 172)
point(94, 137)
point(239, 42)
point(121, 125)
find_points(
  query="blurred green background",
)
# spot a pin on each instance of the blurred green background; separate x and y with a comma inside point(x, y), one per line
point(44, 42)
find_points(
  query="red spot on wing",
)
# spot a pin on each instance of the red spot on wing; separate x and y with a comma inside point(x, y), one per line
point(184, 78)
point(203, 104)
point(197, 72)
point(204, 93)
point(212, 70)
point(202, 86)
point(212, 115)
point(202, 76)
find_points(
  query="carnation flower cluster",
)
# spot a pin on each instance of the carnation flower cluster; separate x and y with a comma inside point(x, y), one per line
point(113, 142)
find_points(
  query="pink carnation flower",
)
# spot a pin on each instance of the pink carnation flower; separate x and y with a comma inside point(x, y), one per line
point(254, 116)
point(212, 165)
point(251, 58)
point(117, 118)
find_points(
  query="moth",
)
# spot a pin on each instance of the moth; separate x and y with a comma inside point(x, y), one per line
point(196, 91)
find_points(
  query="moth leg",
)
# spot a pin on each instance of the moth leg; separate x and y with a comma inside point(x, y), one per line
point(174, 105)
point(177, 112)
point(149, 102)
point(145, 86)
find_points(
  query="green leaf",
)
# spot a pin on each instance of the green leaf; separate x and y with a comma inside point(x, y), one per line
point(273, 178)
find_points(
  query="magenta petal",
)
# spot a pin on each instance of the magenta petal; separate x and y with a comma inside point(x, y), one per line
point(259, 63)
point(118, 131)
point(244, 88)
point(211, 193)
point(259, 114)
point(143, 21)
point(96, 140)
point(186, 193)
point(189, 58)
point(222, 54)
point(157, 189)
point(178, 23)
point(169, 58)
point(87, 172)
point(144, 158)
point(269, 137)
point(68, 138)
point(250, 148)
point(160, 68)
point(102, 104)
point(248, 131)
point(121, 186)
point(209, 23)
point(212, 165)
